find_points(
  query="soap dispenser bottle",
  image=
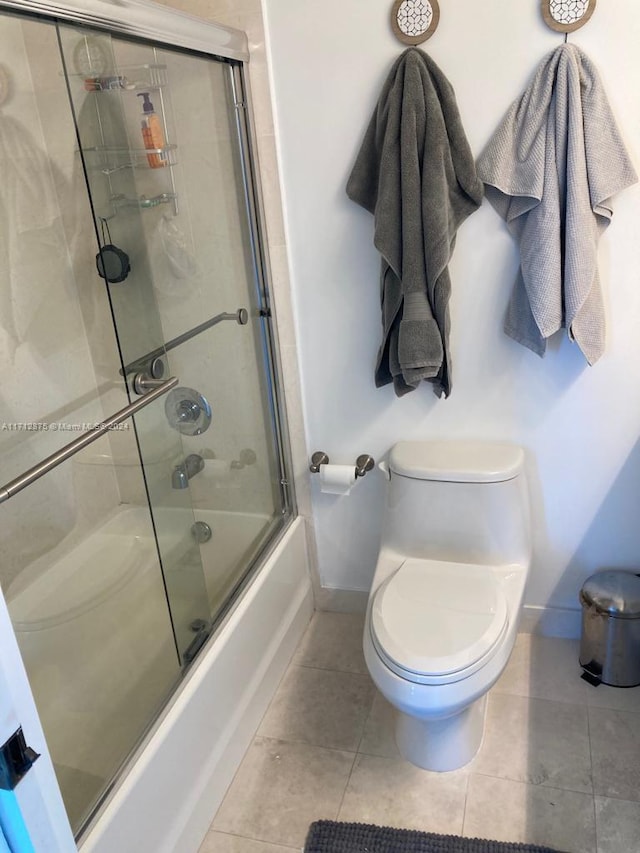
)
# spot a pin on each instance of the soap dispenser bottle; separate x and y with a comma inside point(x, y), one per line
point(152, 134)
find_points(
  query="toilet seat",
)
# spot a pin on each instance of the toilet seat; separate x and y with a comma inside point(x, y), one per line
point(434, 622)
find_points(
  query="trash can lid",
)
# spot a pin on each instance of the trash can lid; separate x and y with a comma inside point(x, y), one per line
point(614, 591)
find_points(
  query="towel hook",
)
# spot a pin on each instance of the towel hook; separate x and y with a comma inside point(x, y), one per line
point(414, 21)
point(566, 17)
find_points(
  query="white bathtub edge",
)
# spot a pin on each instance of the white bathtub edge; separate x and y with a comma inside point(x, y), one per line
point(256, 700)
point(168, 799)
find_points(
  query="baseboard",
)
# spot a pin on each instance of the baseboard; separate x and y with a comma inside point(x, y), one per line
point(564, 622)
point(341, 600)
point(561, 622)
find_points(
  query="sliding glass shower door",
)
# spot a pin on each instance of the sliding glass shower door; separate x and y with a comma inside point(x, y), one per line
point(160, 132)
point(124, 194)
point(129, 255)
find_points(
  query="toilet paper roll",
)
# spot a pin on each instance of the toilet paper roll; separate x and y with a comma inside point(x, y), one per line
point(337, 479)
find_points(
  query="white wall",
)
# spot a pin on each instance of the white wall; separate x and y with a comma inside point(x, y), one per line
point(579, 425)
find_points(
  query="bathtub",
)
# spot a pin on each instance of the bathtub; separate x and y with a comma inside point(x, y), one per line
point(100, 588)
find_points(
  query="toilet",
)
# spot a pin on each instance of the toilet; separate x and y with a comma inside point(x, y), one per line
point(443, 609)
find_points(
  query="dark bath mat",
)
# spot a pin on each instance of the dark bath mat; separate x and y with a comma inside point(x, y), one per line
point(329, 836)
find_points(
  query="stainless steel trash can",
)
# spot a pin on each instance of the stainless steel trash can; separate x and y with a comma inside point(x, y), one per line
point(610, 643)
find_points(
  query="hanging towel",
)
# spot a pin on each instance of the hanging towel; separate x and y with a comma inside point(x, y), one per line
point(415, 173)
point(550, 171)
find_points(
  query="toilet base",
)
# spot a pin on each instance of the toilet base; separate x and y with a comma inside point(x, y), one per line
point(443, 744)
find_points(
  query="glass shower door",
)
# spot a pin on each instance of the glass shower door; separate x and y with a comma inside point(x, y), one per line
point(79, 562)
point(171, 187)
point(107, 102)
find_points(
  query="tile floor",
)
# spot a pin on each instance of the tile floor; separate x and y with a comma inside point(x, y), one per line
point(559, 766)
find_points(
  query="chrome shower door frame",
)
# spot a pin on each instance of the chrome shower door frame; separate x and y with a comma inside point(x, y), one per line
point(143, 20)
point(241, 91)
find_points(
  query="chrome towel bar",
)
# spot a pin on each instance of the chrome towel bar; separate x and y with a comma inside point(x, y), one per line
point(14, 486)
point(241, 317)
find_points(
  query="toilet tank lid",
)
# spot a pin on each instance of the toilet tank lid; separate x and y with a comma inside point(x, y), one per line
point(457, 461)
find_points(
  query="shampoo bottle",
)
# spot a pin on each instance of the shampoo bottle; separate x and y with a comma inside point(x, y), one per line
point(152, 134)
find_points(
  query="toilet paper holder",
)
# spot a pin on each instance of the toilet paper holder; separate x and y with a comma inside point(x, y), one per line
point(364, 463)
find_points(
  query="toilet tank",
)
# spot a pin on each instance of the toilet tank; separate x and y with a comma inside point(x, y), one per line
point(458, 501)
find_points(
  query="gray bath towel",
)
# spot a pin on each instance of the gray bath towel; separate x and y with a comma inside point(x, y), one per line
point(551, 169)
point(415, 173)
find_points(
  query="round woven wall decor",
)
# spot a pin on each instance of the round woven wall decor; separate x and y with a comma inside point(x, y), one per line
point(414, 21)
point(565, 16)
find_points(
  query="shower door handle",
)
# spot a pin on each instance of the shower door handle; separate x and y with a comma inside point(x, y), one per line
point(14, 486)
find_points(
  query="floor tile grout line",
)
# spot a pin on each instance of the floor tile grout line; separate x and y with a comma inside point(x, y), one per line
point(546, 700)
point(249, 838)
point(330, 668)
point(532, 784)
point(589, 692)
point(344, 793)
point(307, 743)
point(297, 742)
point(367, 718)
point(593, 786)
point(575, 701)
point(529, 695)
point(618, 799)
point(466, 800)
point(595, 707)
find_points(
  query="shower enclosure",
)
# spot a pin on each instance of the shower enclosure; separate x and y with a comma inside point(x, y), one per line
point(143, 460)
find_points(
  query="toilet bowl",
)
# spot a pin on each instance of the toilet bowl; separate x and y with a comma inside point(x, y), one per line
point(443, 609)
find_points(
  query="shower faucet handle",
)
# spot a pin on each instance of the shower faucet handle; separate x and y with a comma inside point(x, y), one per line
point(187, 411)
